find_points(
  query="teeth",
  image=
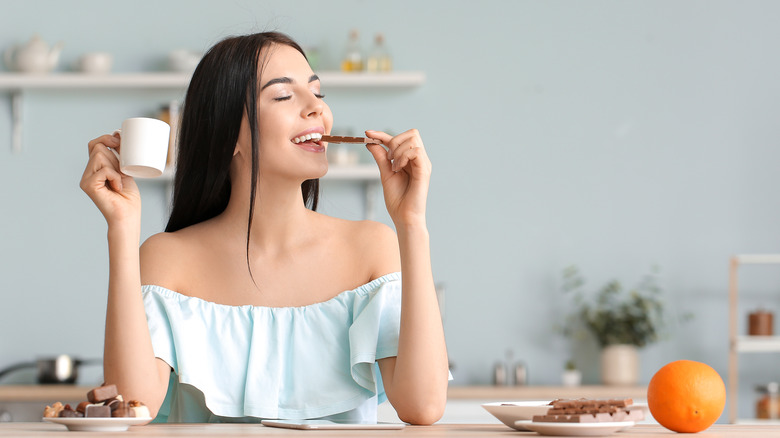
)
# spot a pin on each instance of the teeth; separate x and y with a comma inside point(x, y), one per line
point(313, 136)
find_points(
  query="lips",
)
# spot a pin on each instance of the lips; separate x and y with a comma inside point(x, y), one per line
point(309, 139)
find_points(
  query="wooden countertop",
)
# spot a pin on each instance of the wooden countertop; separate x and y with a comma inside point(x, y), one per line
point(52, 393)
point(438, 430)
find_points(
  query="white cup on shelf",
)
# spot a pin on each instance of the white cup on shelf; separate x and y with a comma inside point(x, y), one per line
point(95, 63)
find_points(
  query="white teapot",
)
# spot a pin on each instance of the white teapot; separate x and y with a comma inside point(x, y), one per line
point(33, 57)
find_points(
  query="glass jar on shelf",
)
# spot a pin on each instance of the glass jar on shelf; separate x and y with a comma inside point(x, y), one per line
point(379, 59)
point(353, 55)
point(768, 404)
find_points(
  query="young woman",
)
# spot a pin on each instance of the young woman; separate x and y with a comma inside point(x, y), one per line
point(251, 305)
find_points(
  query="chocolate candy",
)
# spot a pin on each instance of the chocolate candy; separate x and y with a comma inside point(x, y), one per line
point(123, 410)
point(99, 395)
point(139, 409)
point(82, 407)
point(68, 412)
point(104, 402)
point(97, 411)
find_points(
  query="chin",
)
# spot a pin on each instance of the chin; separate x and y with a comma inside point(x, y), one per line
point(320, 171)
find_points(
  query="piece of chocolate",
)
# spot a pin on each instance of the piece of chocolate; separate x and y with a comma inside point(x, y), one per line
point(123, 410)
point(344, 139)
point(114, 402)
point(97, 411)
point(82, 407)
point(68, 412)
point(139, 409)
point(101, 394)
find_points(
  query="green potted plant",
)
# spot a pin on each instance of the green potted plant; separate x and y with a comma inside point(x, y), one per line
point(571, 376)
point(620, 321)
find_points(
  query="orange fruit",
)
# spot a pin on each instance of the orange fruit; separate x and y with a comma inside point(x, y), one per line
point(686, 396)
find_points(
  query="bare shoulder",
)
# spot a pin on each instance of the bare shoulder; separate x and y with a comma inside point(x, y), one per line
point(160, 254)
point(376, 244)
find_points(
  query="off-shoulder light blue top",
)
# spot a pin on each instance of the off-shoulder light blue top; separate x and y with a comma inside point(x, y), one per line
point(246, 363)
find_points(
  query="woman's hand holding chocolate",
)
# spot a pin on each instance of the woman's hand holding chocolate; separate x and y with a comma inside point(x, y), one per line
point(406, 172)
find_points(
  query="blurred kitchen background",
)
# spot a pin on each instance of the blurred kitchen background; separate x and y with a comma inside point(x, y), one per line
point(611, 135)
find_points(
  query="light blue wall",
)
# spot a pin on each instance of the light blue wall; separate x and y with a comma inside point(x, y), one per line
point(609, 134)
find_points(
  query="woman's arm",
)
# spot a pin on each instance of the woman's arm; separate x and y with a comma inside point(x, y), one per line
point(416, 380)
point(128, 358)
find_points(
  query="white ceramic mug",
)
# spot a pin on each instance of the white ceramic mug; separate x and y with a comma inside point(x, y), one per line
point(143, 148)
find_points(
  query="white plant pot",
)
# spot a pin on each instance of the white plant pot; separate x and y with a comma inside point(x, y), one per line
point(571, 378)
point(620, 365)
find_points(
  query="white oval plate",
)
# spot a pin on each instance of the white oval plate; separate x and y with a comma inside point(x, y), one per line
point(98, 424)
point(510, 412)
point(575, 429)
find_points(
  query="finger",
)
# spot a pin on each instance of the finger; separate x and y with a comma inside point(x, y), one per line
point(107, 177)
point(387, 140)
point(102, 157)
point(380, 156)
point(107, 140)
point(407, 156)
point(402, 138)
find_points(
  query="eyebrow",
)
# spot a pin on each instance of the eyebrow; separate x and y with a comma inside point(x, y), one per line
point(286, 80)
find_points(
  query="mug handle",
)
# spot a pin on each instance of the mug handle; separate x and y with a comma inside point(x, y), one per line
point(119, 132)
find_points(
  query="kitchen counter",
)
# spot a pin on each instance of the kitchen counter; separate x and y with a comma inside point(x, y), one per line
point(438, 430)
point(43, 393)
point(52, 393)
point(516, 393)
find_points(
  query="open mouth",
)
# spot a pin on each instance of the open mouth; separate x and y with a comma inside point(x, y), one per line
point(314, 137)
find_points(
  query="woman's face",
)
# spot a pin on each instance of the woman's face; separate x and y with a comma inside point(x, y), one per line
point(289, 106)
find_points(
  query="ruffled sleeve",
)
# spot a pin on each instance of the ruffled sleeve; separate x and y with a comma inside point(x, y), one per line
point(289, 362)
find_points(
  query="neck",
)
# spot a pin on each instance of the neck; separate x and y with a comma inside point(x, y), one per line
point(279, 215)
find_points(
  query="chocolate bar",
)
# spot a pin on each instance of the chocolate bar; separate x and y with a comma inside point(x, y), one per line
point(343, 139)
point(101, 394)
point(590, 411)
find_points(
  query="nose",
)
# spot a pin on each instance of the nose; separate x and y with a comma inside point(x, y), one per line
point(313, 106)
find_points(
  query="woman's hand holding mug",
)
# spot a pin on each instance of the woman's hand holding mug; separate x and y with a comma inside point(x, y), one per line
point(139, 149)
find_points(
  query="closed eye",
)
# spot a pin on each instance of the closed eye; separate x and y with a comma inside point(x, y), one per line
point(279, 99)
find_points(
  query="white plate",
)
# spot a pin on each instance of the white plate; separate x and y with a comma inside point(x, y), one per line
point(510, 412)
point(575, 429)
point(98, 424)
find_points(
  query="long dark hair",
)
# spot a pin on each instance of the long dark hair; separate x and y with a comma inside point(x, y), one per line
point(224, 84)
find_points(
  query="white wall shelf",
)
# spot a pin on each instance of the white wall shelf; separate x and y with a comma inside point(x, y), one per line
point(758, 344)
point(740, 343)
point(20, 81)
point(17, 84)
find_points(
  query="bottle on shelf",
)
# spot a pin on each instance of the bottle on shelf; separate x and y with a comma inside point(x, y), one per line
point(353, 55)
point(379, 60)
